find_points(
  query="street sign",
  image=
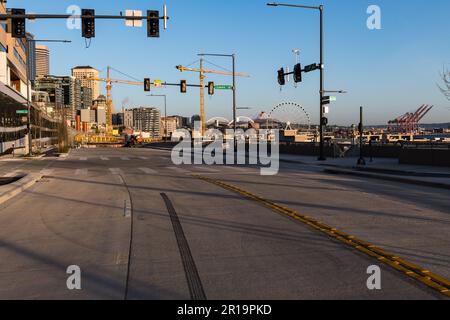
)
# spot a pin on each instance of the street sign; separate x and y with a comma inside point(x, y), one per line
point(223, 87)
point(21, 111)
point(327, 100)
point(132, 22)
point(312, 67)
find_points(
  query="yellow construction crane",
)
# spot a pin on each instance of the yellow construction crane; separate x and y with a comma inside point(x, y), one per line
point(202, 72)
point(109, 103)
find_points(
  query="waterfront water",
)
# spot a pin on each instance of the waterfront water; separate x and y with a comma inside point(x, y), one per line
point(434, 136)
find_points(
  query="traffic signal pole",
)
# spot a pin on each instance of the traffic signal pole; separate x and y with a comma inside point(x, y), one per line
point(322, 84)
point(202, 100)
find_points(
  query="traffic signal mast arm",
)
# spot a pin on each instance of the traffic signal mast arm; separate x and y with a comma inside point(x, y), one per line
point(297, 72)
point(88, 17)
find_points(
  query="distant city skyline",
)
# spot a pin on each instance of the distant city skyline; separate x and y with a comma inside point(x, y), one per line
point(389, 71)
point(42, 60)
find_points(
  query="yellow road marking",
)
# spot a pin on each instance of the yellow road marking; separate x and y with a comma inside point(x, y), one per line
point(413, 271)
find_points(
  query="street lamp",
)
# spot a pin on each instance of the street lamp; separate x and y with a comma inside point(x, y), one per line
point(322, 66)
point(165, 112)
point(233, 58)
point(27, 47)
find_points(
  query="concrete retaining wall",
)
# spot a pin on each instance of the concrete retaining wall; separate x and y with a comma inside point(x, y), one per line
point(429, 157)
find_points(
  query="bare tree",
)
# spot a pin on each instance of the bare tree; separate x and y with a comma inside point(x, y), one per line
point(445, 87)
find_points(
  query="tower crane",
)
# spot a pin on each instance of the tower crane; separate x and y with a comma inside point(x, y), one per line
point(109, 103)
point(202, 73)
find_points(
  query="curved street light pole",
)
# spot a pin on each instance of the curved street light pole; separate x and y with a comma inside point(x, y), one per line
point(322, 67)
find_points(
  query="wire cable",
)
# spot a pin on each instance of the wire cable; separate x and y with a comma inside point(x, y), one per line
point(217, 66)
point(124, 74)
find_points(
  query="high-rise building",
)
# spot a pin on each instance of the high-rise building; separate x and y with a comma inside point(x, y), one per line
point(118, 119)
point(85, 72)
point(86, 98)
point(42, 60)
point(53, 87)
point(32, 57)
point(147, 120)
point(63, 91)
point(128, 119)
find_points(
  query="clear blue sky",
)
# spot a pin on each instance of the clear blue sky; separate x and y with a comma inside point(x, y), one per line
point(389, 71)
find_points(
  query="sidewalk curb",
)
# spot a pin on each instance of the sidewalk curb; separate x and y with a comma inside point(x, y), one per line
point(293, 161)
point(10, 191)
point(389, 178)
point(402, 172)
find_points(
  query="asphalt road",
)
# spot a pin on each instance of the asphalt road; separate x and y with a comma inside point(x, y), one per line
point(140, 227)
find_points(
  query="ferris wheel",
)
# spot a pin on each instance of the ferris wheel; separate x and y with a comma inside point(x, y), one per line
point(290, 116)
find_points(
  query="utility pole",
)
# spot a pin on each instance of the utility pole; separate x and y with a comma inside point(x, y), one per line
point(202, 100)
point(361, 161)
point(109, 102)
point(234, 98)
point(322, 84)
point(202, 72)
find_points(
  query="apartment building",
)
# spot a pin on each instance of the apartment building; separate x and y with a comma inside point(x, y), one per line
point(85, 72)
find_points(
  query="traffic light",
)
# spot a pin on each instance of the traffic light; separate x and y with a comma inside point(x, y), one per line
point(18, 28)
point(298, 73)
point(147, 85)
point(183, 86)
point(281, 79)
point(210, 88)
point(153, 24)
point(88, 24)
point(324, 121)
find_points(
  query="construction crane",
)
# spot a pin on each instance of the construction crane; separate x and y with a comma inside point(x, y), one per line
point(109, 103)
point(202, 73)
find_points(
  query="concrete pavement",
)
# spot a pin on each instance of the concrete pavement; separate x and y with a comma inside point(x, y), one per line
point(233, 248)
